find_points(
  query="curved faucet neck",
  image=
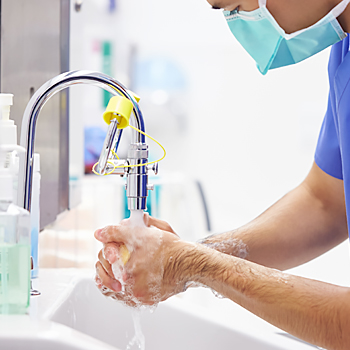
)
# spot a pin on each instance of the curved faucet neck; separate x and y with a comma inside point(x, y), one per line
point(37, 102)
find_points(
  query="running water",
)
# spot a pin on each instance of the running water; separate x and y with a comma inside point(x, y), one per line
point(136, 220)
point(139, 338)
point(139, 237)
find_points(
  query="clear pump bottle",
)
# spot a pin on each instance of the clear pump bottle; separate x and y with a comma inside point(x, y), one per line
point(15, 263)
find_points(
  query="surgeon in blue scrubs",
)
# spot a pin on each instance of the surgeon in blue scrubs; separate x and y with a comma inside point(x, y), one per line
point(246, 264)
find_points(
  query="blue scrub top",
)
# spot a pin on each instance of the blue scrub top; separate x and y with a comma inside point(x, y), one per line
point(333, 148)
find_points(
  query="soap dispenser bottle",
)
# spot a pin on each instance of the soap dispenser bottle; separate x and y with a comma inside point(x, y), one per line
point(15, 263)
point(8, 140)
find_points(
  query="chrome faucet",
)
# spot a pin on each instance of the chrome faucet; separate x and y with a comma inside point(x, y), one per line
point(137, 177)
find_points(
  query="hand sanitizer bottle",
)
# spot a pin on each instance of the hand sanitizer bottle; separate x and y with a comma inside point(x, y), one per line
point(15, 263)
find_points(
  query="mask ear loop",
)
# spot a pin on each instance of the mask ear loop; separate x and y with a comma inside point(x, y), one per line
point(340, 8)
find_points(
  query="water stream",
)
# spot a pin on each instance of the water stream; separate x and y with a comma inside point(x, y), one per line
point(139, 339)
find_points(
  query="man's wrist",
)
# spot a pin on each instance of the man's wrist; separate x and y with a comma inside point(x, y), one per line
point(190, 262)
point(180, 267)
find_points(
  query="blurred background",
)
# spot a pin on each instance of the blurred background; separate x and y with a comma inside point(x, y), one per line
point(236, 141)
point(247, 138)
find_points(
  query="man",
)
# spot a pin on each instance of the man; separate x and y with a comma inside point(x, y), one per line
point(244, 265)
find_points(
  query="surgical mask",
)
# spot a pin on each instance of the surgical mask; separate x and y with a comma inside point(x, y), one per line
point(267, 43)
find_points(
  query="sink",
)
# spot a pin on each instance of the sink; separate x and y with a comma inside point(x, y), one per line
point(22, 332)
point(71, 314)
point(174, 325)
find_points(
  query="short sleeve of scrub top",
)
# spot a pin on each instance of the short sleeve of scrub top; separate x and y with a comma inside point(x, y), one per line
point(327, 155)
point(328, 151)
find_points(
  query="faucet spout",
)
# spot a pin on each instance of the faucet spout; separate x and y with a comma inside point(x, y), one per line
point(32, 111)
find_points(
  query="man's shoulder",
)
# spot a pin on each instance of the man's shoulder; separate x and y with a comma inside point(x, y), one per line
point(338, 53)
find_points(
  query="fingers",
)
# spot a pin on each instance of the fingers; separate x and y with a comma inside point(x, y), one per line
point(119, 233)
point(98, 282)
point(119, 296)
point(115, 233)
point(124, 299)
point(105, 264)
point(125, 222)
point(111, 252)
point(162, 225)
point(106, 280)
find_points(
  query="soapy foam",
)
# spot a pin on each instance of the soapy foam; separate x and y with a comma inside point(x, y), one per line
point(118, 269)
point(231, 246)
point(136, 221)
point(192, 284)
point(217, 295)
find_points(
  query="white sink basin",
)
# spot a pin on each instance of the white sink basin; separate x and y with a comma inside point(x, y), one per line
point(172, 326)
point(71, 314)
point(22, 332)
point(87, 311)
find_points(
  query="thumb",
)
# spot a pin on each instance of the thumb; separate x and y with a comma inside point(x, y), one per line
point(161, 224)
point(113, 233)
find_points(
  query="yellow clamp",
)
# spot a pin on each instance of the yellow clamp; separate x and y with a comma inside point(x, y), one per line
point(121, 108)
point(118, 107)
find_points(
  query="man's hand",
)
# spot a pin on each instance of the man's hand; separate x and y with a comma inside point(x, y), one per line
point(146, 276)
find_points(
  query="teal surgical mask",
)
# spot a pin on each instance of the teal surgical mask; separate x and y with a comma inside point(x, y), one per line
point(267, 43)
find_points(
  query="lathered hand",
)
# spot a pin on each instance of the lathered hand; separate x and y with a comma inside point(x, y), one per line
point(146, 277)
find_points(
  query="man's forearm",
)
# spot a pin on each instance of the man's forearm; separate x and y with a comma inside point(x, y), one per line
point(314, 311)
point(304, 224)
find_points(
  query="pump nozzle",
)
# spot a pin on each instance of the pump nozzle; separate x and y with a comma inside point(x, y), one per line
point(6, 101)
point(8, 129)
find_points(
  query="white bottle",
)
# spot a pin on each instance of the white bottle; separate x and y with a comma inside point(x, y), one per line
point(8, 139)
point(15, 262)
point(14, 246)
point(8, 129)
